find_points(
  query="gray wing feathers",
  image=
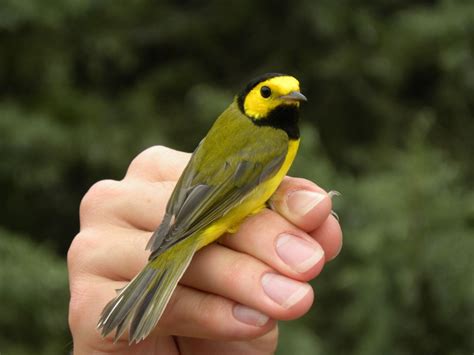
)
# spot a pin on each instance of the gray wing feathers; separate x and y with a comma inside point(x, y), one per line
point(180, 192)
point(192, 202)
point(198, 206)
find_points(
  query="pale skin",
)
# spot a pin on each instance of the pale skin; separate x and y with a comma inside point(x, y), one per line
point(234, 292)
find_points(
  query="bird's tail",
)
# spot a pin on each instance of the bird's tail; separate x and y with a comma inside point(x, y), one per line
point(141, 303)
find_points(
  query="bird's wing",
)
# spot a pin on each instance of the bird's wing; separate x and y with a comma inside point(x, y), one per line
point(199, 200)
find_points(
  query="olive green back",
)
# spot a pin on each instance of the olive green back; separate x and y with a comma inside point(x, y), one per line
point(234, 157)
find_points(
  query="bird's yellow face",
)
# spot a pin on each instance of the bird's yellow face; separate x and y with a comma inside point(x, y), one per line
point(268, 94)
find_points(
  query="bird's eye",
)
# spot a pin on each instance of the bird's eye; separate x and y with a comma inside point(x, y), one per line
point(265, 91)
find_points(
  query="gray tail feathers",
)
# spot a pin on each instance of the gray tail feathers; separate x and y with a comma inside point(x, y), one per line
point(141, 303)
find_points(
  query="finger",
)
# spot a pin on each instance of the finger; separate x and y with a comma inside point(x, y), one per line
point(119, 253)
point(302, 202)
point(246, 280)
point(215, 269)
point(212, 270)
point(113, 252)
point(158, 163)
point(198, 314)
point(329, 236)
point(189, 313)
point(272, 239)
point(131, 203)
point(265, 344)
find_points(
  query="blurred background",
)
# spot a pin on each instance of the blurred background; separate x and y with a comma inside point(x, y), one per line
point(85, 85)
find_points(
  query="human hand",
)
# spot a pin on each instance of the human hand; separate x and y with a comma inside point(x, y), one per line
point(234, 291)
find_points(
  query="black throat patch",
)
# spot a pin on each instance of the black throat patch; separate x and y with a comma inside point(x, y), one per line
point(283, 117)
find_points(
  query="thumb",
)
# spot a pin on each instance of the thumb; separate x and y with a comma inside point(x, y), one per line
point(302, 202)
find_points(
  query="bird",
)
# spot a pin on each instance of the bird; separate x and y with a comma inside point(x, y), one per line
point(231, 175)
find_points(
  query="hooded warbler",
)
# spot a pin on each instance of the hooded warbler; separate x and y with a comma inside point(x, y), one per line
point(232, 173)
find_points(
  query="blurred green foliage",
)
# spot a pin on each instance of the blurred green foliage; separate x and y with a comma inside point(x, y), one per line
point(34, 297)
point(86, 85)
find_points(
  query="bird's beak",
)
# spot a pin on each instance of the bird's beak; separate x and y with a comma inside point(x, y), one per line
point(294, 96)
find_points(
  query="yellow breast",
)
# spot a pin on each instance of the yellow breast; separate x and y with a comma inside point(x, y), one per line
point(254, 203)
point(271, 185)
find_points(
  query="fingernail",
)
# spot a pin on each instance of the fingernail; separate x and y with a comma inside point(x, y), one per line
point(250, 316)
point(284, 291)
point(297, 252)
point(302, 201)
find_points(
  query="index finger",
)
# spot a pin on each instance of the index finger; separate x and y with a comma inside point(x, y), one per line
point(158, 163)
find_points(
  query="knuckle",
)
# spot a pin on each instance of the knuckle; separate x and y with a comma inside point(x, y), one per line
point(79, 251)
point(79, 258)
point(101, 191)
point(150, 157)
point(210, 311)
